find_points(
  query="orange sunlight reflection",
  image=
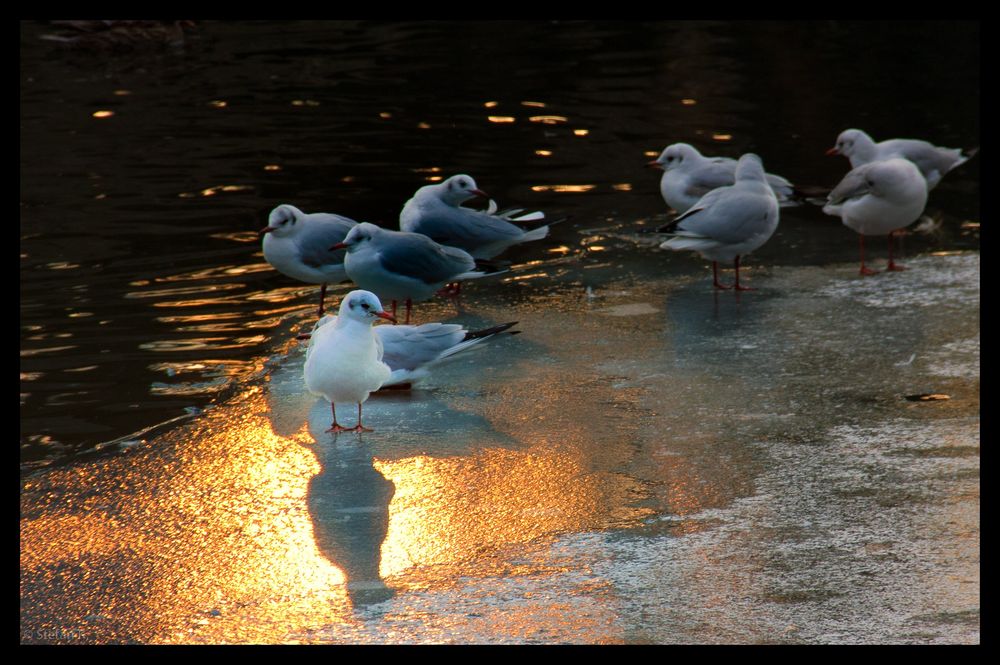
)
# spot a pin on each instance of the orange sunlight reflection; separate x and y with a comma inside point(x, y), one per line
point(548, 119)
point(562, 188)
point(449, 510)
point(212, 527)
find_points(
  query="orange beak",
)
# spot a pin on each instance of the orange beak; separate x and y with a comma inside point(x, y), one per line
point(655, 165)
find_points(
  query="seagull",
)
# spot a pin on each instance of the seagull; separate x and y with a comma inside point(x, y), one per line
point(410, 351)
point(345, 360)
point(436, 212)
point(933, 161)
point(729, 222)
point(298, 245)
point(688, 176)
point(402, 266)
point(879, 198)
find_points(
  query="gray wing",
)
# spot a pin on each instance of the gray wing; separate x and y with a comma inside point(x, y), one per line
point(466, 229)
point(720, 172)
point(417, 256)
point(322, 231)
point(781, 186)
point(928, 157)
point(409, 347)
point(731, 216)
point(854, 185)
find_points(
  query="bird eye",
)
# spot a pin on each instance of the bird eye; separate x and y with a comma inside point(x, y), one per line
point(365, 306)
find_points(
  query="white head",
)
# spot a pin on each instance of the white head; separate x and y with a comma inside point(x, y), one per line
point(362, 306)
point(676, 156)
point(852, 142)
point(750, 167)
point(283, 221)
point(458, 189)
point(358, 236)
point(888, 177)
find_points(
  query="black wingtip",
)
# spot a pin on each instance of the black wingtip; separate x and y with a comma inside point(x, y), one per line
point(486, 332)
point(491, 265)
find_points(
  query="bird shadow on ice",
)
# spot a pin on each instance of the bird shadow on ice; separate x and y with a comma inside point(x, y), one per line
point(348, 500)
point(348, 503)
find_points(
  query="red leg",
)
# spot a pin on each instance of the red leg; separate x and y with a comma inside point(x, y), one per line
point(336, 427)
point(715, 277)
point(394, 311)
point(409, 309)
point(893, 265)
point(864, 270)
point(359, 427)
point(322, 298)
point(737, 285)
point(451, 290)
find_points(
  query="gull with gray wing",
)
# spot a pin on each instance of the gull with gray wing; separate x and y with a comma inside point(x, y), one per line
point(729, 222)
point(436, 212)
point(879, 198)
point(297, 244)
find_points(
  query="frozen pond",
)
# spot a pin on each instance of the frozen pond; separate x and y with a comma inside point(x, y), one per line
point(648, 461)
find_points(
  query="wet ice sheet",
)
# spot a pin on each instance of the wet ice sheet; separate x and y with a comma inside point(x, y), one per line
point(710, 468)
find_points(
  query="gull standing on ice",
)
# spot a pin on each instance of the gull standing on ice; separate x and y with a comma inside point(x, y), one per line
point(410, 351)
point(877, 199)
point(933, 161)
point(729, 222)
point(345, 359)
point(298, 245)
point(688, 176)
point(436, 212)
point(401, 266)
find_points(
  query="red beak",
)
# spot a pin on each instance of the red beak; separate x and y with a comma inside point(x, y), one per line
point(833, 151)
point(386, 315)
point(479, 192)
point(265, 230)
point(655, 165)
point(339, 245)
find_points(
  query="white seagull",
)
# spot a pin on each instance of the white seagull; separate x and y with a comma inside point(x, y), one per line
point(729, 222)
point(410, 351)
point(345, 363)
point(933, 161)
point(298, 245)
point(402, 266)
point(878, 199)
point(688, 175)
point(436, 212)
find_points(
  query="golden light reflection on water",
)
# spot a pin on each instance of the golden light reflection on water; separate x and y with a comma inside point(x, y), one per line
point(563, 188)
point(548, 119)
point(206, 538)
point(450, 510)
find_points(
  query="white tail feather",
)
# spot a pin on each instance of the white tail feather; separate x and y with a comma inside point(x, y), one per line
point(536, 234)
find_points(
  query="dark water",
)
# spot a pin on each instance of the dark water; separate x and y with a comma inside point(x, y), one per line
point(144, 295)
